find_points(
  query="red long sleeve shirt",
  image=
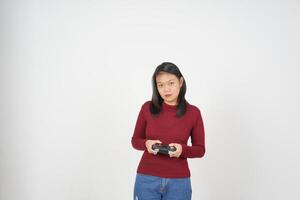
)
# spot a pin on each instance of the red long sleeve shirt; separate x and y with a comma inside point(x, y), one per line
point(168, 128)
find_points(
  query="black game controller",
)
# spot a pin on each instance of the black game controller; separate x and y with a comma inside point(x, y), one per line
point(163, 149)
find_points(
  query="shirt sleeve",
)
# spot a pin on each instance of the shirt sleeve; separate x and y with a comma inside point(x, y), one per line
point(139, 138)
point(197, 150)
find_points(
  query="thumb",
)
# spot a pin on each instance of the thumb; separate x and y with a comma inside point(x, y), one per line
point(158, 141)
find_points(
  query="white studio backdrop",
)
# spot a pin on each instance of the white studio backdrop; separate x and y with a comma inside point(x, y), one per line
point(75, 73)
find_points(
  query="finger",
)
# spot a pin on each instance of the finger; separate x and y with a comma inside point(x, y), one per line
point(155, 151)
point(173, 155)
point(150, 150)
point(173, 152)
point(173, 144)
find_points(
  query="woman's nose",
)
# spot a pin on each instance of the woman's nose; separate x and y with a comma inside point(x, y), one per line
point(166, 89)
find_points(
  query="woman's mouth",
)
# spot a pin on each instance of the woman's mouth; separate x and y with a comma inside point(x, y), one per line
point(167, 95)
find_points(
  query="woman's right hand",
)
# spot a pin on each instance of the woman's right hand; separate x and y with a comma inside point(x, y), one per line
point(149, 144)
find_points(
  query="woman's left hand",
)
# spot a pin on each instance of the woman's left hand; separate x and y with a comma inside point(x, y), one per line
point(178, 151)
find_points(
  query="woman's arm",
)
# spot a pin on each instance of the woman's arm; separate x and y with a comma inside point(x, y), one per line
point(138, 139)
point(197, 150)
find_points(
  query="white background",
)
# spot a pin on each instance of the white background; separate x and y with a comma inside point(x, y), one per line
point(74, 75)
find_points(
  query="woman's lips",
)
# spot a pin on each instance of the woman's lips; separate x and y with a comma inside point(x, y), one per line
point(167, 95)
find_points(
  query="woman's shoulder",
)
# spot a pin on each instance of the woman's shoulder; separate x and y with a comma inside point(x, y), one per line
point(145, 105)
point(193, 108)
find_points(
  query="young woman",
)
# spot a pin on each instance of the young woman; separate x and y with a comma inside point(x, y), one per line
point(168, 119)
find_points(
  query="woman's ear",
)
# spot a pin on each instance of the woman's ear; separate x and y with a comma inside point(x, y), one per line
point(181, 81)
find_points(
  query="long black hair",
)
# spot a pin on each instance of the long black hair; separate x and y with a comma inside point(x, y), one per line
point(156, 102)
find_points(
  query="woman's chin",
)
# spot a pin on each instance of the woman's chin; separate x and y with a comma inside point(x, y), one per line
point(170, 102)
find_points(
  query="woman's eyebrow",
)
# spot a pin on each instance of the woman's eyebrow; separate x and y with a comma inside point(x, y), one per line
point(166, 81)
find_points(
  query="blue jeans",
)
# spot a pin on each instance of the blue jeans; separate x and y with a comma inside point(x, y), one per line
point(148, 187)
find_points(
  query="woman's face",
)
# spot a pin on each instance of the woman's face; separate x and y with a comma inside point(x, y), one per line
point(168, 86)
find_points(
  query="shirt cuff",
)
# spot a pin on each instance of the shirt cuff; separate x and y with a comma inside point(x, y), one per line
point(184, 151)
